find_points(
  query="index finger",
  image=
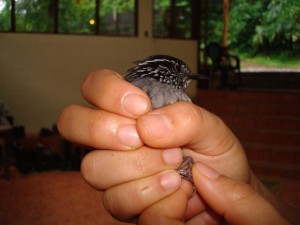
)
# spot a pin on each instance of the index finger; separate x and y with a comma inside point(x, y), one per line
point(106, 90)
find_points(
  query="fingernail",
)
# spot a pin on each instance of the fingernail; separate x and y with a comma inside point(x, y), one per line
point(128, 136)
point(135, 104)
point(170, 181)
point(157, 125)
point(172, 157)
point(206, 171)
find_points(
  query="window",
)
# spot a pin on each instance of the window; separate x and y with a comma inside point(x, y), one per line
point(76, 16)
point(172, 18)
point(117, 17)
point(105, 17)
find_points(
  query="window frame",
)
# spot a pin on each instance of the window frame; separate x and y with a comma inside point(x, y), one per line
point(56, 22)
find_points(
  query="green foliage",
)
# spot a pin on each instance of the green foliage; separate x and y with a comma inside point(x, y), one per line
point(215, 21)
point(255, 26)
point(117, 17)
point(172, 18)
point(5, 15)
point(107, 6)
point(33, 16)
point(267, 26)
point(280, 27)
point(183, 19)
point(74, 16)
point(161, 18)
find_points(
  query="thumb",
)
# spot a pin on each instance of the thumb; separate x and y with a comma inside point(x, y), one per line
point(234, 200)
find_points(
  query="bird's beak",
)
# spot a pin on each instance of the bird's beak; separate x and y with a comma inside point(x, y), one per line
point(195, 76)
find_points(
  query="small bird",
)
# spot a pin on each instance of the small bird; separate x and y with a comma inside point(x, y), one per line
point(164, 79)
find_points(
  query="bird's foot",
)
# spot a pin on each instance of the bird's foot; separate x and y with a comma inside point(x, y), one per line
point(185, 170)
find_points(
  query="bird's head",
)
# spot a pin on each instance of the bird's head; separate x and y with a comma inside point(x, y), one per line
point(165, 69)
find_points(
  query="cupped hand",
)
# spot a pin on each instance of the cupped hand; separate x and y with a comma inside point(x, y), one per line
point(142, 147)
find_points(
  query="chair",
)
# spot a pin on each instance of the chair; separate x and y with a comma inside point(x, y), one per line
point(224, 62)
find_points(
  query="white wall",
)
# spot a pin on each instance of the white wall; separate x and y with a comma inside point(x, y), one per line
point(40, 74)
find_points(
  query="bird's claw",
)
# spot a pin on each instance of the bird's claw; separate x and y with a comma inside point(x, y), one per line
point(185, 170)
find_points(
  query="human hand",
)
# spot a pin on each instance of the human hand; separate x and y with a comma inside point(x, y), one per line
point(230, 201)
point(121, 121)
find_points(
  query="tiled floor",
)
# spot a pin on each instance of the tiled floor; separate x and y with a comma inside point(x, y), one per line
point(64, 198)
point(50, 198)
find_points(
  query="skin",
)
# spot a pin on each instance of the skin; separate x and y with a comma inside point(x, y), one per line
point(140, 149)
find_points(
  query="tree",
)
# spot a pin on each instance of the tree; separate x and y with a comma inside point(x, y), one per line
point(33, 16)
point(266, 25)
point(74, 16)
point(280, 26)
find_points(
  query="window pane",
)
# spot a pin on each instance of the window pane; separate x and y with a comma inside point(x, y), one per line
point(77, 16)
point(34, 15)
point(5, 15)
point(162, 18)
point(117, 17)
point(183, 19)
point(172, 18)
point(215, 21)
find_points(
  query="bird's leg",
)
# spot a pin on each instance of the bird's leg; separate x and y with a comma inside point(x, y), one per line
point(185, 167)
point(185, 171)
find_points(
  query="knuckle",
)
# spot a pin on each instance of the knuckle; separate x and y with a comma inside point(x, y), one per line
point(94, 129)
point(143, 161)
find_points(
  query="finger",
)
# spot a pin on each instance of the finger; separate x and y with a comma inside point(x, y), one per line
point(129, 199)
point(206, 217)
point(198, 131)
point(99, 167)
point(236, 201)
point(199, 213)
point(107, 90)
point(98, 129)
point(181, 124)
point(102, 213)
point(170, 210)
point(195, 206)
